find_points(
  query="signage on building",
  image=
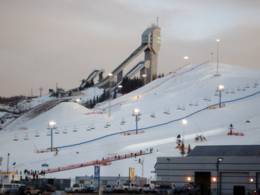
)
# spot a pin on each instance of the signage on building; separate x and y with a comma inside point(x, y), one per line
point(131, 173)
point(96, 172)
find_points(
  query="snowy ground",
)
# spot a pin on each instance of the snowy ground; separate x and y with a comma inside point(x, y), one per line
point(2, 114)
point(169, 99)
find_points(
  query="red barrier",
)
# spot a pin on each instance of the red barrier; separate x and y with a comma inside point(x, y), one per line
point(104, 161)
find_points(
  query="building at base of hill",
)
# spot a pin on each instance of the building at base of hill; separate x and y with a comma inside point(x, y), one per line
point(226, 169)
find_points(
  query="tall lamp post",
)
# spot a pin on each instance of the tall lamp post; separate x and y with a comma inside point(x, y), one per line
point(78, 100)
point(187, 58)
point(136, 114)
point(144, 78)
point(110, 75)
point(220, 89)
point(217, 72)
point(184, 122)
point(7, 165)
point(119, 88)
point(219, 160)
point(141, 162)
point(52, 125)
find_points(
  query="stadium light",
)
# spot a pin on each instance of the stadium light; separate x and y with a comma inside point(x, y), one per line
point(184, 121)
point(136, 114)
point(219, 160)
point(110, 75)
point(220, 89)
point(52, 125)
point(217, 71)
point(186, 57)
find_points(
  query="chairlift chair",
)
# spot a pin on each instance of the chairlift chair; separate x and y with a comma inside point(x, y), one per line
point(152, 115)
point(37, 134)
point(65, 131)
point(15, 138)
point(26, 137)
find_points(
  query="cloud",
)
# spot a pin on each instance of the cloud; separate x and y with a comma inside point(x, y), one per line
point(200, 19)
point(40, 39)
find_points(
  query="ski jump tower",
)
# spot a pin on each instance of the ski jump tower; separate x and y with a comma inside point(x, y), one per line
point(146, 68)
point(151, 38)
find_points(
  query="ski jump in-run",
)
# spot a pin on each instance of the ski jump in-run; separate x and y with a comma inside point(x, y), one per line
point(103, 162)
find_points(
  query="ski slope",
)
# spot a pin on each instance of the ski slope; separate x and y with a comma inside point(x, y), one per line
point(84, 135)
point(2, 114)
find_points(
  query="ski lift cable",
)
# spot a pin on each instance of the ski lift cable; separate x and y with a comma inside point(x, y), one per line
point(161, 124)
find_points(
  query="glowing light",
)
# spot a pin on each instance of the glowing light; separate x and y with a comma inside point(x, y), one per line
point(217, 40)
point(52, 124)
point(184, 121)
point(136, 111)
point(186, 57)
point(221, 87)
point(144, 75)
point(188, 179)
point(251, 180)
point(214, 179)
point(110, 74)
point(137, 97)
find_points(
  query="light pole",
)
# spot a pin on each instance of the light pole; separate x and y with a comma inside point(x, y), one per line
point(78, 100)
point(182, 149)
point(219, 160)
point(184, 123)
point(110, 75)
point(52, 125)
point(119, 88)
point(187, 58)
point(141, 162)
point(211, 57)
point(136, 114)
point(7, 165)
point(217, 73)
point(220, 89)
point(144, 78)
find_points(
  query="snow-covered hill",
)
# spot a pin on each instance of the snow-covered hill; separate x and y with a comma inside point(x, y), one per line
point(83, 135)
point(2, 114)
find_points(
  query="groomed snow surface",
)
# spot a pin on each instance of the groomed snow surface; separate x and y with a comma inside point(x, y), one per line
point(85, 135)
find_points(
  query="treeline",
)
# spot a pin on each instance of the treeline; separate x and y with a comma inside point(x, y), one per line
point(98, 99)
point(131, 84)
point(11, 101)
point(128, 85)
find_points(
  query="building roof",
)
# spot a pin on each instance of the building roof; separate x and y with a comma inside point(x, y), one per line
point(226, 150)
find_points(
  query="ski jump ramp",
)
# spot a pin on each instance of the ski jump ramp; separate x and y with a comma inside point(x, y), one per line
point(150, 46)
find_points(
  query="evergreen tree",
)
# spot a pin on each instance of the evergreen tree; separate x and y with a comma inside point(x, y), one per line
point(189, 149)
point(182, 149)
